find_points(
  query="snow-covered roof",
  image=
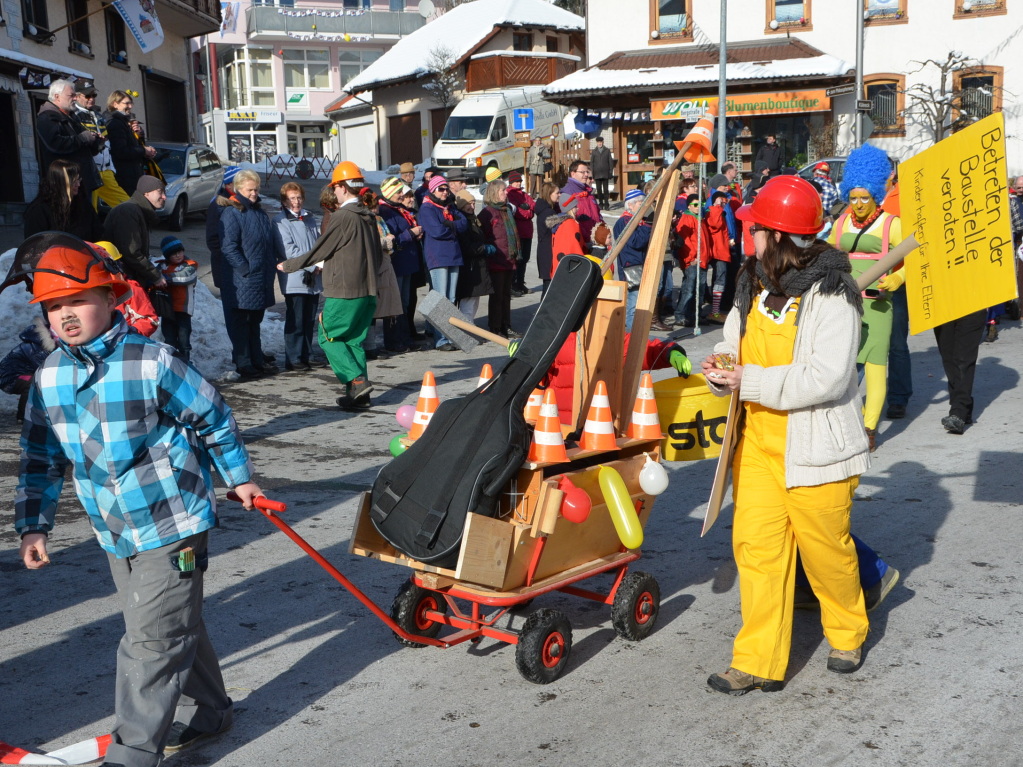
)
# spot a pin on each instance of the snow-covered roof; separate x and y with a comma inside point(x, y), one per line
point(460, 30)
point(596, 80)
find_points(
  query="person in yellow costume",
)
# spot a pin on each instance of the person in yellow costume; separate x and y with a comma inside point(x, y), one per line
point(866, 233)
point(794, 331)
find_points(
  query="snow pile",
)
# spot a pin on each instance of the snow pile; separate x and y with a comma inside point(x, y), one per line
point(459, 31)
point(211, 349)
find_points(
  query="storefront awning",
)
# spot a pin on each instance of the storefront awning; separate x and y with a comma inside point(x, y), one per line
point(683, 68)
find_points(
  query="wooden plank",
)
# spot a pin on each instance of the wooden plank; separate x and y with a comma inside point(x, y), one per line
point(598, 355)
point(486, 547)
point(436, 581)
point(365, 535)
point(646, 302)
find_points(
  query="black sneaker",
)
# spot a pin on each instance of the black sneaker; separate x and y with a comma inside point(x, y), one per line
point(249, 373)
point(448, 347)
point(359, 389)
point(182, 736)
point(348, 404)
point(268, 368)
point(895, 412)
point(875, 595)
point(514, 334)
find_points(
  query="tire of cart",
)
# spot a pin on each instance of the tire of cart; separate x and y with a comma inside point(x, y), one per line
point(636, 606)
point(545, 644)
point(409, 611)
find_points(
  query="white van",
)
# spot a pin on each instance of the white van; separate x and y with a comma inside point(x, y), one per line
point(480, 132)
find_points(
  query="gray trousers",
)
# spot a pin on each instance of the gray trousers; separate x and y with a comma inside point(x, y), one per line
point(167, 670)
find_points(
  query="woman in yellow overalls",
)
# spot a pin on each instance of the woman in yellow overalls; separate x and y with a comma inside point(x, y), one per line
point(795, 333)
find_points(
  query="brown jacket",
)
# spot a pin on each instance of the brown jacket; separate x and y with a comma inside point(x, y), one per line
point(350, 251)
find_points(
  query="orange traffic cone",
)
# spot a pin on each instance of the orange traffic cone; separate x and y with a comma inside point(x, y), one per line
point(532, 411)
point(599, 431)
point(485, 375)
point(645, 423)
point(425, 407)
point(548, 444)
point(701, 137)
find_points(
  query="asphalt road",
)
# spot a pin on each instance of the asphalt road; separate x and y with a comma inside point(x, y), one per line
point(319, 680)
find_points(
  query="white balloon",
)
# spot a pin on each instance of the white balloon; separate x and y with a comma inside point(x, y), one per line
point(653, 479)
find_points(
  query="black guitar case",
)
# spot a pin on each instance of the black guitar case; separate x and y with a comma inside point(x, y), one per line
point(475, 444)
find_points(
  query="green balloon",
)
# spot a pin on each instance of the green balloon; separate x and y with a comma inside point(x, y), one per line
point(396, 447)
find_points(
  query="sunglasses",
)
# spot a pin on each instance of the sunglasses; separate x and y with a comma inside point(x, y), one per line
point(754, 228)
point(443, 189)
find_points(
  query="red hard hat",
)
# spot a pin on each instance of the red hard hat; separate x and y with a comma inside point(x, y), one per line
point(787, 204)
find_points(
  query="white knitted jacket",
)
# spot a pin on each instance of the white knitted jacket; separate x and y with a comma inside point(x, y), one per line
point(826, 441)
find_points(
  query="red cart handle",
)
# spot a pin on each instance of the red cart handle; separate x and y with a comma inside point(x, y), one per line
point(261, 502)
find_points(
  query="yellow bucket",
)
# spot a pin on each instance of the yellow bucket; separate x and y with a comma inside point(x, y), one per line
point(692, 418)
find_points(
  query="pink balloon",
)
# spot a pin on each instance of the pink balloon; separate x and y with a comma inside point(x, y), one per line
point(405, 415)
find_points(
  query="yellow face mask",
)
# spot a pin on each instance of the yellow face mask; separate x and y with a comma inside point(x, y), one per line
point(861, 204)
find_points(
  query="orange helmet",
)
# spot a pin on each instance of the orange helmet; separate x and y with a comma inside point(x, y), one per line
point(346, 170)
point(64, 271)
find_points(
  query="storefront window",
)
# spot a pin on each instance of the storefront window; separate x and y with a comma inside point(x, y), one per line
point(252, 142)
point(306, 140)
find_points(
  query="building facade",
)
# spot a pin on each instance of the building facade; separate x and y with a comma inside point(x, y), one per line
point(489, 44)
point(791, 72)
point(276, 68)
point(90, 43)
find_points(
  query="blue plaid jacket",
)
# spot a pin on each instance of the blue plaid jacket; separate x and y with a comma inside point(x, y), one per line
point(141, 429)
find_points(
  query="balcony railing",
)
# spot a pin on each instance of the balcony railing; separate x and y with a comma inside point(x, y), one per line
point(327, 22)
point(510, 71)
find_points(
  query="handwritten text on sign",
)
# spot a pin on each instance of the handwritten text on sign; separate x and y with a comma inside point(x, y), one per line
point(958, 205)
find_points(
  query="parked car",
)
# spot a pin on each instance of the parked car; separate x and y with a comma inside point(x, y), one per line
point(837, 166)
point(193, 173)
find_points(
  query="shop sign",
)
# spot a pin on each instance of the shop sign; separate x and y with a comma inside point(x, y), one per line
point(746, 104)
point(254, 116)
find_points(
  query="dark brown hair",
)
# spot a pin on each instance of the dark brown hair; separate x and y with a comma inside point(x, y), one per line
point(781, 256)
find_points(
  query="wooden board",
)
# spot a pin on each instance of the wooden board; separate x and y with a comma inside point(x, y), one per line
point(646, 302)
point(367, 542)
point(486, 545)
point(598, 356)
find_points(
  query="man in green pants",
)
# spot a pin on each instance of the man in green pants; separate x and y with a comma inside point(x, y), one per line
point(350, 253)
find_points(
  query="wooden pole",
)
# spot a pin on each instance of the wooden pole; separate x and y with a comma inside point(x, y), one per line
point(890, 259)
point(646, 301)
point(75, 21)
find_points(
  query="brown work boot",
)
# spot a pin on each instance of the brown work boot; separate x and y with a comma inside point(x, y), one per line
point(735, 682)
point(845, 661)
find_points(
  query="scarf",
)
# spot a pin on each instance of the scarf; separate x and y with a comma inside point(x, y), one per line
point(831, 269)
point(444, 208)
point(405, 212)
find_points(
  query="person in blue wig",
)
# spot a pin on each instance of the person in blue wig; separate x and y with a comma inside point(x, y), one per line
point(866, 233)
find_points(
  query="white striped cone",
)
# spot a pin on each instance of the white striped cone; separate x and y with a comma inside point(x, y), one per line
point(701, 137)
point(532, 410)
point(90, 750)
point(485, 375)
point(548, 443)
point(645, 423)
point(425, 407)
point(599, 431)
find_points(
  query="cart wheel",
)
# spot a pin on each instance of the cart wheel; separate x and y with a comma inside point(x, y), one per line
point(545, 643)
point(409, 611)
point(636, 605)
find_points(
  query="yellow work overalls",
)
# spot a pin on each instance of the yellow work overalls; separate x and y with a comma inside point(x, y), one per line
point(771, 521)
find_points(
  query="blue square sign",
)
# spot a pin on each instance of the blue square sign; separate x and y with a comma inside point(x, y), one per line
point(523, 120)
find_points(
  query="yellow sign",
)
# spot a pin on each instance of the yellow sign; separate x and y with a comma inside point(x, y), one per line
point(789, 102)
point(954, 196)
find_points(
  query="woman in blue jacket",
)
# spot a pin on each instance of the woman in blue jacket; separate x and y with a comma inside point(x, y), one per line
point(405, 259)
point(442, 224)
point(251, 251)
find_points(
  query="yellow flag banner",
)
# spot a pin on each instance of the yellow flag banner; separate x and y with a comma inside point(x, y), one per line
point(954, 199)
